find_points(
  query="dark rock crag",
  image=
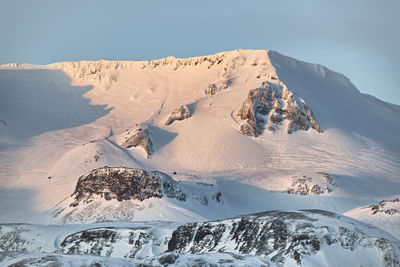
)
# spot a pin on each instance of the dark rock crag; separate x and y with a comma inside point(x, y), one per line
point(272, 104)
point(124, 184)
point(276, 236)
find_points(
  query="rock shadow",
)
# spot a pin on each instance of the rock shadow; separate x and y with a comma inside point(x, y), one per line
point(160, 137)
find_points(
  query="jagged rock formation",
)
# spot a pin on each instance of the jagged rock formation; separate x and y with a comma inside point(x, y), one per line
point(277, 236)
point(272, 104)
point(180, 113)
point(139, 137)
point(106, 241)
point(124, 184)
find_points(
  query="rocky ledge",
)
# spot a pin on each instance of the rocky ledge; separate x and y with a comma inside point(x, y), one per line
point(269, 106)
point(124, 184)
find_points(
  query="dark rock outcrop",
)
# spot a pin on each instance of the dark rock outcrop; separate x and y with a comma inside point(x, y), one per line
point(139, 137)
point(181, 113)
point(276, 236)
point(101, 241)
point(270, 105)
point(124, 184)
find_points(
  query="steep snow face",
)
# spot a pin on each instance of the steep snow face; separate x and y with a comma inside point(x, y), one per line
point(338, 102)
point(274, 238)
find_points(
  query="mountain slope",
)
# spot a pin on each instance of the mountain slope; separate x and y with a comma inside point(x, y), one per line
point(63, 120)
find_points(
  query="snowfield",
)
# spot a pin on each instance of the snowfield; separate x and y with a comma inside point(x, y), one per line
point(238, 132)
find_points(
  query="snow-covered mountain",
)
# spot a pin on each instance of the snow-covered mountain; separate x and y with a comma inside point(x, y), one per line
point(193, 140)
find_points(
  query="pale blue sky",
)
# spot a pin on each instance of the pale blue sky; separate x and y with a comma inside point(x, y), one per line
point(359, 38)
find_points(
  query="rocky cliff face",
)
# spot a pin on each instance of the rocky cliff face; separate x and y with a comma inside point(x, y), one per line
point(104, 242)
point(278, 236)
point(124, 184)
point(271, 105)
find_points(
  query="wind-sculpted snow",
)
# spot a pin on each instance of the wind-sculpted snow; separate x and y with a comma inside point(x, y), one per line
point(269, 106)
point(141, 137)
point(272, 238)
point(92, 69)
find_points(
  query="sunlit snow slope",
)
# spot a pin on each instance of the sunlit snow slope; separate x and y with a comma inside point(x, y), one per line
point(60, 121)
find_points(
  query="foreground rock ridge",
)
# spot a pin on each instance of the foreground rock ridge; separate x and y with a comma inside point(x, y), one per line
point(272, 238)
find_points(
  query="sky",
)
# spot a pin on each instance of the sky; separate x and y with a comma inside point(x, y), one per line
point(359, 38)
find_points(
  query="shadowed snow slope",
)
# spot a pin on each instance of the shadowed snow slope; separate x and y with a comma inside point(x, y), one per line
point(61, 121)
